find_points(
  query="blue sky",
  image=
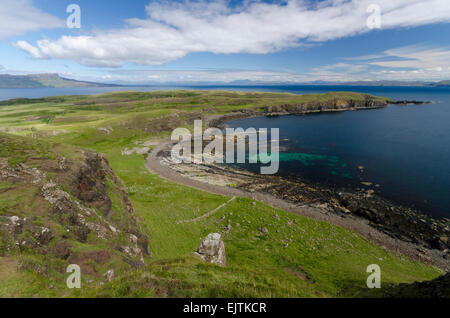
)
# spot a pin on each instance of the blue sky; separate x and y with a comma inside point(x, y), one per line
point(144, 41)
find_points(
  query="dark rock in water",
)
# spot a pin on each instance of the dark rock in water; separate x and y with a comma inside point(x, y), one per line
point(408, 102)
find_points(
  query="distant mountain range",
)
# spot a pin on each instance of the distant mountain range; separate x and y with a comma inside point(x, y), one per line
point(325, 83)
point(55, 80)
point(43, 80)
point(389, 83)
point(249, 83)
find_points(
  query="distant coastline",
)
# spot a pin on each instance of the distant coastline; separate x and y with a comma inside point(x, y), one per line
point(45, 81)
point(394, 92)
point(53, 80)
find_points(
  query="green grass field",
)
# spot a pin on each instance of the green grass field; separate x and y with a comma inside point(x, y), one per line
point(298, 257)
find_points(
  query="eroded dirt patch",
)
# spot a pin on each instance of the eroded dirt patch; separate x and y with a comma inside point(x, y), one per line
point(8, 267)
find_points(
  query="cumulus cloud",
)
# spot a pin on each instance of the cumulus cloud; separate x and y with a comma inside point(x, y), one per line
point(19, 16)
point(174, 29)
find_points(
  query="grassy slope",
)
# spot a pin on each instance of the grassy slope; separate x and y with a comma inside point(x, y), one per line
point(333, 258)
point(44, 275)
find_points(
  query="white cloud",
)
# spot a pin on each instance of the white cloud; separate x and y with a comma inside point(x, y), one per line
point(173, 30)
point(416, 56)
point(19, 16)
point(408, 63)
point(25, 46)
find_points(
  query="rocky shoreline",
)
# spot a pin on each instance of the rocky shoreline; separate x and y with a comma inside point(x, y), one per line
point(399, 229)
point(427, 236)
point(307, 109)
point(397, 221)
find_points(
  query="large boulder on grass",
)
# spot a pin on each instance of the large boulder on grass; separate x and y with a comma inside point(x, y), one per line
point(212, 250)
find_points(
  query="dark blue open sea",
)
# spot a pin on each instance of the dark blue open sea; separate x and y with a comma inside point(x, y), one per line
point(402, 151)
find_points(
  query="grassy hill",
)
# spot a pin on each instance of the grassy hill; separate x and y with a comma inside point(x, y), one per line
point(295, 257)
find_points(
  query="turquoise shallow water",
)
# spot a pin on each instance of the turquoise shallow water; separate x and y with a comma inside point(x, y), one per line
point(401, 152)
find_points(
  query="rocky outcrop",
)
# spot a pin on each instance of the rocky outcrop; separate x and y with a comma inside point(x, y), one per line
point(330, 102)
point(398, 221)
point(212, 249)
point(333, 104)
point(436, 288)
point(91, 187)
point(68, 200)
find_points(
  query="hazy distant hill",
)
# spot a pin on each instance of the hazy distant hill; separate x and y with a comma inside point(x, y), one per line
point(442, 83)
point(386, 83)
point(42, 80)
point(54, 80)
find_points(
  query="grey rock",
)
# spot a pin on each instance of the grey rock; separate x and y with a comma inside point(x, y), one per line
point(212, 249)
point(109, 275)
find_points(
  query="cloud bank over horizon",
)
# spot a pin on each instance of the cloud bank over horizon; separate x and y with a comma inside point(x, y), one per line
point(417, 62)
